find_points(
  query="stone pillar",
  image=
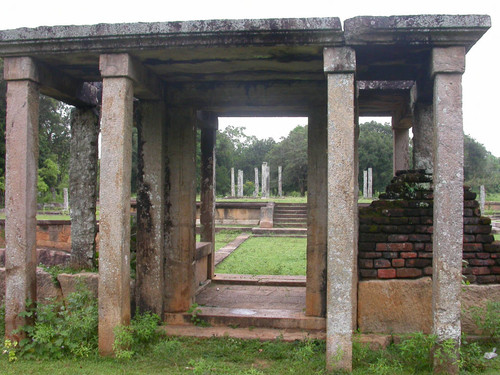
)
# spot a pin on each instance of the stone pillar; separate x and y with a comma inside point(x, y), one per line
point(233, 191)
point(180, 215)
point(66, 200)
point(240, 183)
point(482, 198)
point(280, 182)
point(422, 136)
point(83, 170)
point(342, 258)
point(207, 208)
point(370, 184)
point(114, 224)
point(365, 184)
point(401, 155)
point(150, 120)
point(256, 188)
point(448, 65)
point(20, 190)
point(316, 213)
point(265, 181)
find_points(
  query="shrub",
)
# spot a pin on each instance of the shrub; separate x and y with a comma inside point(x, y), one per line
point(487, 318)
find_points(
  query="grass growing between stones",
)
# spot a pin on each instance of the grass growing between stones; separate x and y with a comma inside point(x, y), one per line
point(223, 237)
point(267, 256)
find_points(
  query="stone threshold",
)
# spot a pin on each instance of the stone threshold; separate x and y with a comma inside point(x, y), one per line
point(269, 280)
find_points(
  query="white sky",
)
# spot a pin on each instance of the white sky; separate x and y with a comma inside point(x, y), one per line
point(481, 81)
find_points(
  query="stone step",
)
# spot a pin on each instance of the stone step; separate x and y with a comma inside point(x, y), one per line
point(242, 317)
point(273, 231)
point(290, 209)
point(289, 219)
point(290, 225)
point(268, 280)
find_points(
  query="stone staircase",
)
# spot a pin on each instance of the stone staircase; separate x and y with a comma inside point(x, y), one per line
point(290, 215)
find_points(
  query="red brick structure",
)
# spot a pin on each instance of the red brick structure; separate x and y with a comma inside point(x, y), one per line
point(395, 234)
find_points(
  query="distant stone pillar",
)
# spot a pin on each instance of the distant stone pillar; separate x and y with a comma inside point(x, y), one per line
point(365, 184)
point(66, 200)
point(342, 258)
point(114, 223)
point(280, 182)
point(150, 119)
point(240, 183)
point(180, 215)
point(370, 184)
point(482, 198)
point(233, 191)
point(20, 190)
point(209, 125)
point(83, 170)
point(422, 136)
point(448, 65)
point(316, 212)
point(400, 156)
point(256, 187)
point(265, 181)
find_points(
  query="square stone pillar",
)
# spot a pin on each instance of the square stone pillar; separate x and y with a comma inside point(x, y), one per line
point(423, 133)
point(83, 172)
point(180, 211)
point(114, 224)
point(209, 126)
point(401, 154)
point(342, 180)
point(21, 135)
point(316, 213)
point(151, 120)
point(448, 65)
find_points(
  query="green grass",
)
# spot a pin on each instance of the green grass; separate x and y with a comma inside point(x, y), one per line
point(497, 237)
point(492, 197)
point(267, 256)
point(223, 237)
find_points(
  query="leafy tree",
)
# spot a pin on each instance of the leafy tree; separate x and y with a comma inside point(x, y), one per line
point(375, 151)
point(480, 166)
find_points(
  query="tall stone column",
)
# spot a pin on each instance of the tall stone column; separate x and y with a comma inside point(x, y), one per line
point(114, 224)
point(342, 257)
point(233, 191)
point(265, 181)
point(280, 182)
point(151, 120)
point(370, 183)
point(21, 135)
point(180, 215)
point(83, 170)
point(240, 183)
point(401, 155)
point(207, 209)
point(448, 65)
point(422, 136)
point(256, 188)
point(365, 184)
point(316, 212)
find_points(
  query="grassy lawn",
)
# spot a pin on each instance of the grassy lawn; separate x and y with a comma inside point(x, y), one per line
point(223, 237)
point(267, 256)
point(185, 355)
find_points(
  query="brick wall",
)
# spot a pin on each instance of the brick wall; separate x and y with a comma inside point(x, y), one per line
point(395, 234)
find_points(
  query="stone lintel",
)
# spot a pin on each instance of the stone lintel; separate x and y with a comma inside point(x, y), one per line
point(146, 84)
point(207, 120)
point(385, 85)
point(339, 60)
point(448, 60)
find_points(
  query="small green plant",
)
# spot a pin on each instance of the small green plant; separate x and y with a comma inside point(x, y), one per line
point(2, 320)
point(446, 352)
point(10, 348)
point(487, 319)
point(139, 335)
point(195, 310)
point(416, 351)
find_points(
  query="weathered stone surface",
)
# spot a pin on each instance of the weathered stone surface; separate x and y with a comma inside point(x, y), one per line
point(476, 295)
point(47, 289)
point(316, 213)
point(342, 198)
point(114, 225)
point(395, 306)
point(69, 282)
point(401, 156)
point(20, 189)
point(374, 342)
point(83, 186)
point(266, 216)
point(422, 137)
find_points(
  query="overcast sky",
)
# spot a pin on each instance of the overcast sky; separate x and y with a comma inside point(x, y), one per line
point(481, 81)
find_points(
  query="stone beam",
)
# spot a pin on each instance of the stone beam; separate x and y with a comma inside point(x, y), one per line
point(316, 213)
point(114, 224)
point(448, 65)
point(151, 122)
point(208, 122)
point(146, 84)
point(342, 232)
point(20, 190)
